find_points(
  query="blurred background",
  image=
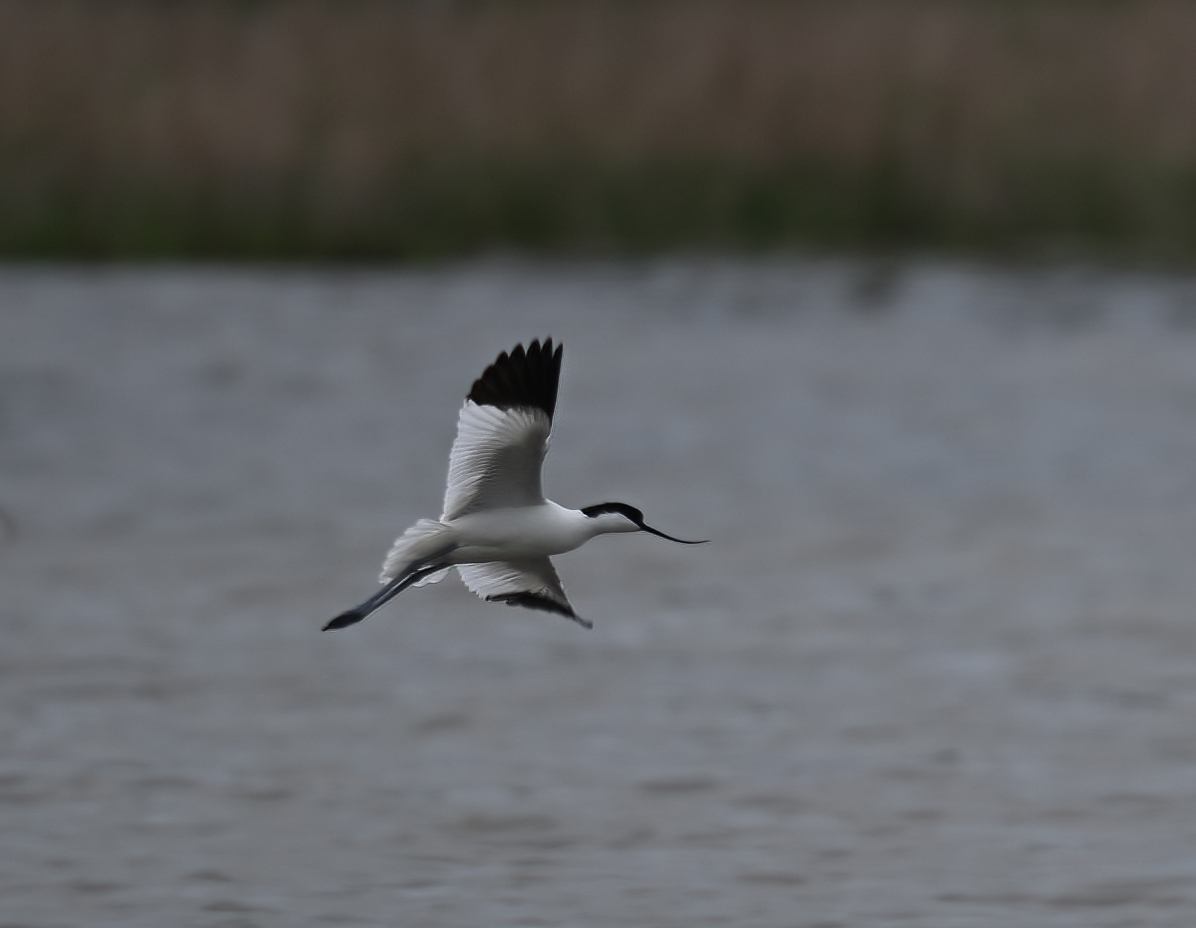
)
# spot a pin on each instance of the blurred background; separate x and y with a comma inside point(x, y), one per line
point(377, 129)
point(891, 300)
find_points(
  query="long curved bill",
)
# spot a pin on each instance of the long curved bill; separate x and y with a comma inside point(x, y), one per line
point(680, 541)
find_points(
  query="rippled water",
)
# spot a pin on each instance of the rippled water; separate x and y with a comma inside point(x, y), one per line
point(936, 669)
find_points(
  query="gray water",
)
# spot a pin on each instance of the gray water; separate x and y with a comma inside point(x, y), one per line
point(937, 668)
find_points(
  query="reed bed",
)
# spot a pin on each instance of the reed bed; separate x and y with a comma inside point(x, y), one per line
point(386, 129)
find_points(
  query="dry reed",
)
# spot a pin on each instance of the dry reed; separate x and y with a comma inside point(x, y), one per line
point(355, 128)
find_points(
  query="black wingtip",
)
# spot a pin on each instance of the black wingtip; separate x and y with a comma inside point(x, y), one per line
point(345, 619)
point(530, 600)
point(526, 377)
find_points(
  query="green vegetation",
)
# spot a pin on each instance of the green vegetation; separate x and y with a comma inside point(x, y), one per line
point(380, 131)
point(577, 207)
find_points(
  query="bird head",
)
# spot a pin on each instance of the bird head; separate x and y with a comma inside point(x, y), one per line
point(619, 517)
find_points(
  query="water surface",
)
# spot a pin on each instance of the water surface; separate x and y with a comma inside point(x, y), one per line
point(936, 669)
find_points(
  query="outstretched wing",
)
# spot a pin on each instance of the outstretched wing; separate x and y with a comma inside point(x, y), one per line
point(502, 433)
point(529, 583)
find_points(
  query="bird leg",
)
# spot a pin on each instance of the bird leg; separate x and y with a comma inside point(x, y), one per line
point(391, 590)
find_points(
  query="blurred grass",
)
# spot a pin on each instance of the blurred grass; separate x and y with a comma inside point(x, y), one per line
point(383, 129)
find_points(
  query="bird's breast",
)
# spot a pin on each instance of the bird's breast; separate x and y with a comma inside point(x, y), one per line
point(524, 532)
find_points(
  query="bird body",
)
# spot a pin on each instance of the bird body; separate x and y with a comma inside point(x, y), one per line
point(497, 529)
point(527, 531)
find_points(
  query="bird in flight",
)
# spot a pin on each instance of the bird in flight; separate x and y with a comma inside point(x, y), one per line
point(497, 528)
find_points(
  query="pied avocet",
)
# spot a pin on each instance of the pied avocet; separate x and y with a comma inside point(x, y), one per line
point(497, 529)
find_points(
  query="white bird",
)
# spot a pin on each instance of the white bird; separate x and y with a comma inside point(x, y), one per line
point(497, 528)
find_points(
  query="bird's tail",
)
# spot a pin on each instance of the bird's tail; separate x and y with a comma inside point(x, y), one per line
point(414, 547)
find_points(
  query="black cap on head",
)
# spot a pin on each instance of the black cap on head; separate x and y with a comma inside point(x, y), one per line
point(621, 508)
point(633, 515)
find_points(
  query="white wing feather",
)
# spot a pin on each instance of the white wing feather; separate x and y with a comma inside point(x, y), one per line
point(496, 459)
point(503, 578)
point(432, 578)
